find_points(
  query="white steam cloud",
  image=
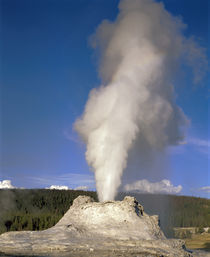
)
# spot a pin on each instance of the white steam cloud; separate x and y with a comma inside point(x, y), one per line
point(144, 186)
point(140, 52)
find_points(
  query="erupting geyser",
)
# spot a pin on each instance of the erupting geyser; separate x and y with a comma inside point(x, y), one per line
point(140, 52)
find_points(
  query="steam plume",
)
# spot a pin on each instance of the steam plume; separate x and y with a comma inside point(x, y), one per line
point(140, 52)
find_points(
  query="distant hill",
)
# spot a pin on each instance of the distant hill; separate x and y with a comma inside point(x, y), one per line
point(38, 209)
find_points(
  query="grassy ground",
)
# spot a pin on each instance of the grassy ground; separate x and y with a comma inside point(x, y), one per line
point(199, 241)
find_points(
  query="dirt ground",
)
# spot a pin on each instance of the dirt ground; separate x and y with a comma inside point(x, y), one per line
point(199, 241)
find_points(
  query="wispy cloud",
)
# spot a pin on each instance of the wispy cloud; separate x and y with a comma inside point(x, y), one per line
point(199, 142)
point(85, 188)
point(58, 187)
point(201, 145)
point(205, 189)
point(164, 186)
point(71, 180)
point(71, 135)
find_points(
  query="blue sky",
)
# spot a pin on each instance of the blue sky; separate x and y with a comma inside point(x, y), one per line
point(48, 69)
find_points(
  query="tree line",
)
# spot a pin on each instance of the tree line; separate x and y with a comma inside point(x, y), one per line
point(34, 209)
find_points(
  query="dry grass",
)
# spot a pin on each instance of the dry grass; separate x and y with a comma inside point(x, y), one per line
point(199, 241)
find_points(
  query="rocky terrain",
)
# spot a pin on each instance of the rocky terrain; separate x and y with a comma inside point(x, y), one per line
point(111, 228)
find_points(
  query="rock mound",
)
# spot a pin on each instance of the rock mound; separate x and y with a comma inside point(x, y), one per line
point(122, 219)
point(111, 228)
